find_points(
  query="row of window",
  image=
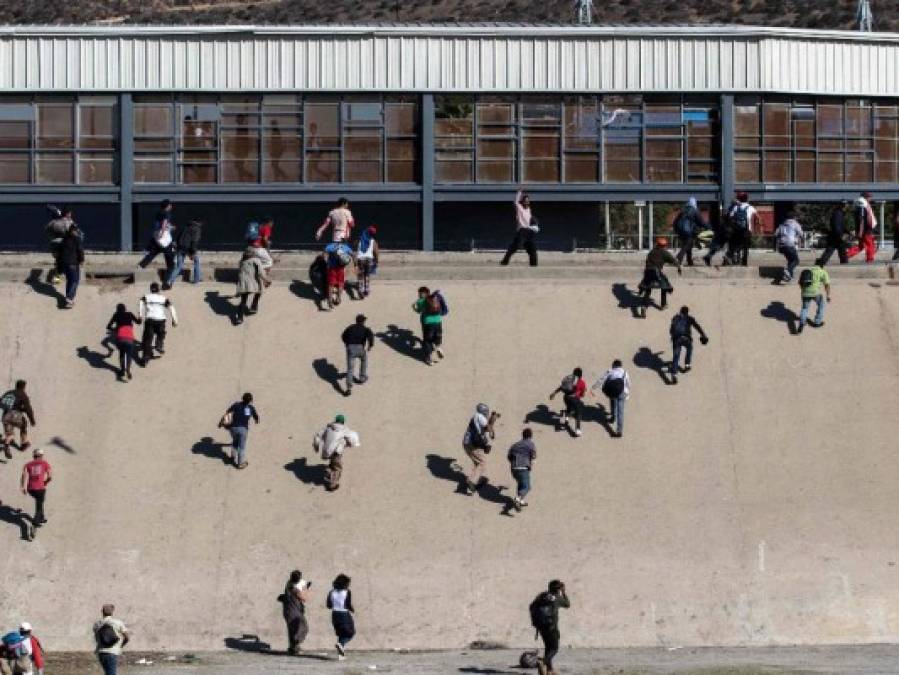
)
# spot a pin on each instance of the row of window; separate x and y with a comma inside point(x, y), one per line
point(478, 139)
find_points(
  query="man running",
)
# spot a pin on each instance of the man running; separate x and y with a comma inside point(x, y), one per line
point(789, 237)
point(521, 458)
point(15, 406)
point(744, 220)
point(237, 420)
point(616, 384)
point(367, 252)
point(867, 226)
point(654, 277)
point(186, 247)
point(36, 474)
point(545, 619)
point(573, 389)
point(152, 313)
point(687, 227)
point(430, 308)
point(815, 285)
point(476, 442)
point(836, 235)
point(340, 220)
point(525, 229)
point(331, 442)
point(338, 257)
point(358, 340)
point(681, 332)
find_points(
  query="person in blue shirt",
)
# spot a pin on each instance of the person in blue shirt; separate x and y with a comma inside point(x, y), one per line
point(339, 255)
point(237, 420)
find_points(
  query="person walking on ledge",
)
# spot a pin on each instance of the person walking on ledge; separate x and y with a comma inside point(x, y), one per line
point(526, 228)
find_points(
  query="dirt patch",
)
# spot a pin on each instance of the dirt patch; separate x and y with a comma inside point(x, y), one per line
point(81, 663)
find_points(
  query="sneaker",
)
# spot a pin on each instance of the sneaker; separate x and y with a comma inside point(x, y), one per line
point(541, 667)
point(440, 352)
point(24, 446)
point(799, 330)
point(516, 503)
point(340, 650)
point(243, 465)
point(707, 260)
point(128, 374)
point(160, 350)
point(577, 432)
point(69, 304)
point(687, 368)
point(522, 502)
point(341, 657)
point(674, 379)
point(818, 325)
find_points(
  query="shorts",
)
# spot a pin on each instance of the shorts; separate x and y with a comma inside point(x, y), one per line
point(364, 266)
point(14, 419)
point(336, 276)
point(476, 455)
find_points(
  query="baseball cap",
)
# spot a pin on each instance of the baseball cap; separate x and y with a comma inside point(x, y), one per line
point(25, 627)
point(340, 419)
point(38, 452)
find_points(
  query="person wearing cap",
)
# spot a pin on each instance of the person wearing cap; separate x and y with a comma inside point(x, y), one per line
point(162, 239)
point(237, 420)
point(836, 235)
point(687, 226)
point(37, 649)
point(476, 442)
point(36, 474)
point(186, 243)
point(331, 443)
point(367, 252)
point(867, 226)
point(358, 340)
point(108, 654)
point(152, 312)
point(653, 277)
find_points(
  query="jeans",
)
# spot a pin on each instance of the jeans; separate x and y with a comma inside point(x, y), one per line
point(792, 257)
point(153, 329)
point(179, 267)
point(551, 639)
point(819, 314)
point(73, 278)
point(353, 353)
point(432, 337)
point(239, 444)
point(718, 243)
point(126, 355)
point(574, 406)
point(39, 496)
point(686, 249)
point(524, 238)
point(616, 405)
point(523, 481)
point(677, 346)
point(109, 663)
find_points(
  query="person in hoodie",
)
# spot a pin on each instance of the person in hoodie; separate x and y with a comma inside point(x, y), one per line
point(687, 227)
point(836, 233)
point(788, 236)
point(331, 443)
point(367, 252)
point(654, 277)
point(71, 257)
point(616, 384)
point(186, 242)
point(867, 226)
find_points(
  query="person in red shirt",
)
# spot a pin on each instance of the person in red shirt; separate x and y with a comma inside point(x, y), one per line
point(573, 389)
point(35, 476)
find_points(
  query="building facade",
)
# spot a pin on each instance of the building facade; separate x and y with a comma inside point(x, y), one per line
point(430, 130)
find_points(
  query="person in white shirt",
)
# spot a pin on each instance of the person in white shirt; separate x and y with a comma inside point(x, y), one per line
point(788, 236)
point(331, 442)
point(162, 239)
point(525, 229)
point(111, 636)
point(153, 308)
point(616, 384)
point(340, 220)
point(476, 442)
point(744, 220)
point(340, 602)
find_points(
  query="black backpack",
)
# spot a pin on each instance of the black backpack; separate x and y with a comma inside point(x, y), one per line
point(613, 387)
point(682, 226)
point(739, 217)
point(107, 636)
point(806, 278)
point(568, 384)
point(8, 401)
point(543, 612)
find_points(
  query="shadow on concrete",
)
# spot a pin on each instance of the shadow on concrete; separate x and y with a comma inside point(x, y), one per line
point(60, 443)
point(221, 305)
point(98, 359)
point(646, 358)
point(447, 468)
point(488, 671)
point(305, 290)
point(208, 447)
point(310, 475)
point(599, 413)
point(20, 519)
point(543, 415)
point(780, 312)
point(41, 287)
point(402, 341)
point(627, 299)
point(328, 372)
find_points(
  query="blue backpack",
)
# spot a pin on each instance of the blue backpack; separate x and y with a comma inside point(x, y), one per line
point(252, 233)
point(444, 308)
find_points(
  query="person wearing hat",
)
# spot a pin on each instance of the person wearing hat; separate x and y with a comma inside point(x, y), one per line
point(331, 442)
point(476, 442)
point(653, 277)
point(35, 476)
point(836, 235)
point(366, 260)
point(867, 226)
point(358, 340)
point(37, 649)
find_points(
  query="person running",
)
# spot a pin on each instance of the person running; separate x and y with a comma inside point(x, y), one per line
point(340, 220)
point(788, 236)
point(430, 307)
point(815, 285)
point(318, 277)
point(111, 636)
point(37, 649)
point(525, 229)
point(688, 225)
point(266, 230)
point(544, 612)
point(331, 442)
point(121, 325)
point(477, 441)
point(358, 340)
point(340, 602)
point(162, 238)
point(720, 236)
point(186, 243)
point(681, 332)
point(152, 312)
point(367, 253)
point(56, 230)
point(744, 220)
point(17, 414)
point(36, 474)
point(654, 277)
point(615, 383)
point(293, 607)
point(836, 234)
point(251, 280)
point(866, 224)
point(573, 389)
point(237, 420)
point(71, 258)
point(521, 458)
point(16, 654)
point(339, 256)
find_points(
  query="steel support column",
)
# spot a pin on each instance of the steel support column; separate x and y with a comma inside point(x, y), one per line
point(126, 171)
point(427, 172)
point(727, 149)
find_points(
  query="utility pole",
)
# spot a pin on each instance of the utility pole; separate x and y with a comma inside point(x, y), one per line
point(864, 16)
point(584, 12)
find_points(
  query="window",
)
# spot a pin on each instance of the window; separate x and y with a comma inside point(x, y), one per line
point(496, 146)
point(454, 139)
point(582, 140)
point(282, 139)
point(541, 141)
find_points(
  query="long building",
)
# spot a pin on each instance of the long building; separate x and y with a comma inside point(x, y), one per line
point(429, 130)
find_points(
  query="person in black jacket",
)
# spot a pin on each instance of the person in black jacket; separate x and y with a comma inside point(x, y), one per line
point(121, 325)
point(358, 340)
point(836, 235)
point(687, 227)
point(681, 332)
point(545, 619)
point(186, 242)
point(71, 257)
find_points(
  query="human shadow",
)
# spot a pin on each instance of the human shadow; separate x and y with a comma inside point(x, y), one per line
point(307, 291)
point(207, 447)
point(20, 519)
point(780, 312)
point(98, 359)
point(401, 340)
point(248, 643)
point(542, 415)
point(328, 372)
point(41, 287)
point(221, 305)
point(60, 443)
point(306, 473)
point(598, 413)
point(486, 671)
point(447, 468)
point(646, 358)
point(627, 299)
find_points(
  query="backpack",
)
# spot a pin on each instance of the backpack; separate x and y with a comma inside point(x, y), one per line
point(806, 279)
point(342, 256)
point(252, 232)
point(442, 307)
point(680, 327)
point(568, 384)
point(682, 226)
point(739, 217)
point(107, 636)
point(542, 612)
point(12, 640)
point(8, 401)
point(58, 227)
point(613, 387)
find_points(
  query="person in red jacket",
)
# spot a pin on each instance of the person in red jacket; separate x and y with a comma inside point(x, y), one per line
point(573, 389)
point(867, 226)
point(37, 649)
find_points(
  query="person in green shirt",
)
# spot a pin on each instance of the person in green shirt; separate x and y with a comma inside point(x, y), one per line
point(428, 307)
point(815, 284)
